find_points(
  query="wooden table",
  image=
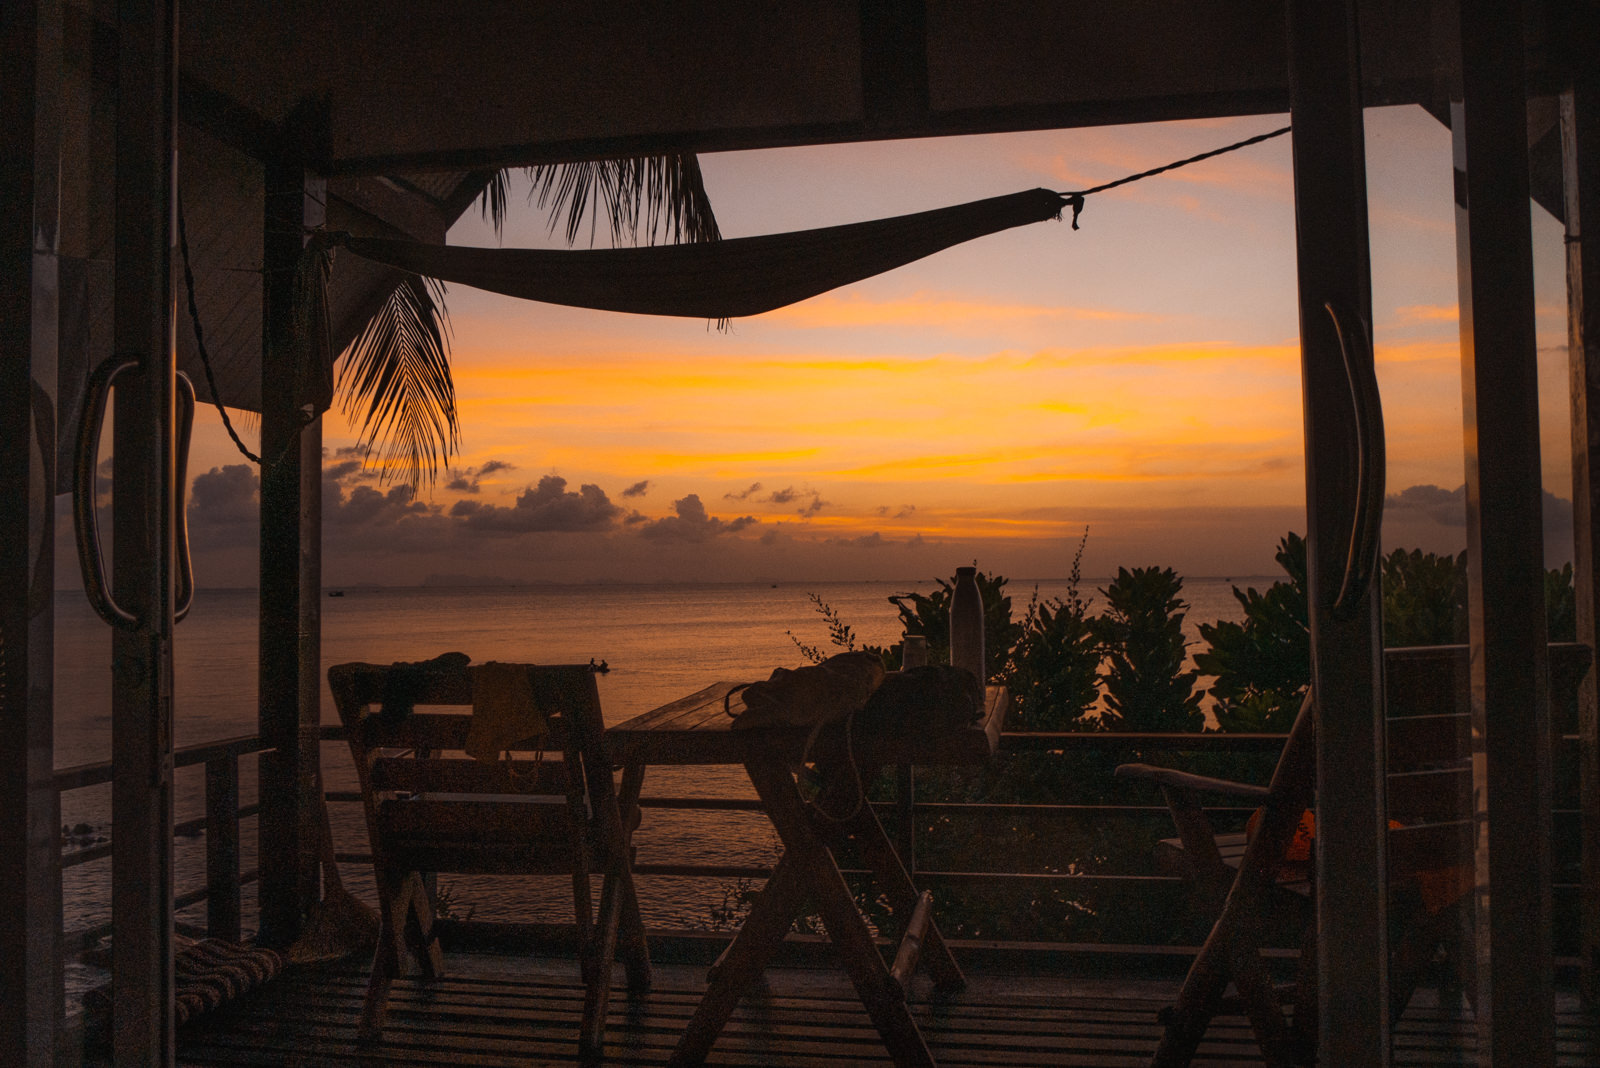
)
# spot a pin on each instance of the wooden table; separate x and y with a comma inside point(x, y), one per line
point(697, 730)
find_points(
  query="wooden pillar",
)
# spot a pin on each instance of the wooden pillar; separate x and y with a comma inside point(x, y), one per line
point(30, 893)
point(1505, 544)
point(143, 560)
point(1342, 460)
point(290, 577)
point(1580, 149)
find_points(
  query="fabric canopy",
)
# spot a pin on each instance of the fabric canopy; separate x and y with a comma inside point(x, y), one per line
point(715, 280)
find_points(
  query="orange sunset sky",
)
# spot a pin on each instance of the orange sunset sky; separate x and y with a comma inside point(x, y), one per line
point(1139, 377)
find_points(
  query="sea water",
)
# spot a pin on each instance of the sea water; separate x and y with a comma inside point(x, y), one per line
point(659, 642)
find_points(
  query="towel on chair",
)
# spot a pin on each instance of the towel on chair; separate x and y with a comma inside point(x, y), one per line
point(503, 711)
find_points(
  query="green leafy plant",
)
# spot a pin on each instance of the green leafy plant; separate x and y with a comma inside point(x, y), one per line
point(1147, 687)
point(840, 633)
point(1262, 665)
point(1424, 598)
point(1054, 671)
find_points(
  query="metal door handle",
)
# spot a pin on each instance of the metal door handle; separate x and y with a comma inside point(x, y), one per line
point(184, 595)
point(86, 520)
point(1371, 462)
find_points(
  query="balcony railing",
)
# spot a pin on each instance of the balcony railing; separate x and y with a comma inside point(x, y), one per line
point(225, 877)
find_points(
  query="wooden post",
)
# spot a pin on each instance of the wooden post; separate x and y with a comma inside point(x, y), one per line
point(1335, 282)
point(30, 893)
point(222, 848)
point(1580, 151)
point(143, 560)
point(291, 451)
point(1505, 545)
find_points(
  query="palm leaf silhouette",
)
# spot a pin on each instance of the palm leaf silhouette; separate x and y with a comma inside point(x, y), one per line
point(398, 370)
point(396, 373)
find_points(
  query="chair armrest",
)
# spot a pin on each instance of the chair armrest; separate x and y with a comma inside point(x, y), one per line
point(1171, 778)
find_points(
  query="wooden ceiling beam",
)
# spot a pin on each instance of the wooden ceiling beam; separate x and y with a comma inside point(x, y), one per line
point(413, 86)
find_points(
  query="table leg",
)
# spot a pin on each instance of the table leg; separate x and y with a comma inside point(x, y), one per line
point(741, 964)
point(883, 997)
point(891, 875)
point(635, 952)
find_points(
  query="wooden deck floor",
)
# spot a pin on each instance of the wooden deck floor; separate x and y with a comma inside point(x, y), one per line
point(496, 1010)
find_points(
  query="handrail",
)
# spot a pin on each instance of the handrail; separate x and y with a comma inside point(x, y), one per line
point(224, 877)
point(99, 772)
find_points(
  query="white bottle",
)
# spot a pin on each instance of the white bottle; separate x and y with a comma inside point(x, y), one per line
point(966, 624)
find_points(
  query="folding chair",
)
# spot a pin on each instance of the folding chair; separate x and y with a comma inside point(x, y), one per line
point(1241, 877)
point(430, 808)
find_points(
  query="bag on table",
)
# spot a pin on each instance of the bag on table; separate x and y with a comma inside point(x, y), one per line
point(811, 696)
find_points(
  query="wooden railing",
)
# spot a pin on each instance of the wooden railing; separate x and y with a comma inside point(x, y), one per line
point(220, 825)
point(224, 878)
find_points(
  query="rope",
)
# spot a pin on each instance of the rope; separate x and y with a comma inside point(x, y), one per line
point(1076, 198)
point(199, 337)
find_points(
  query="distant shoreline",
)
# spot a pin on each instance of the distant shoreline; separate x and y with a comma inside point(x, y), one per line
point(1012, 584)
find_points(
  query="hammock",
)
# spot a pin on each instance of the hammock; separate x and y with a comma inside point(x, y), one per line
point(713, 280)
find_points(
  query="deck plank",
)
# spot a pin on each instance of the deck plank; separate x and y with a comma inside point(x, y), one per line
point(495, 1010)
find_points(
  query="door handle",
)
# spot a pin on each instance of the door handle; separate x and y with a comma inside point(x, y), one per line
point(85, 518)
point(1371, 462)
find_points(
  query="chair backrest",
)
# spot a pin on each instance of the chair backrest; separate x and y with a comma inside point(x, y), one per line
point(430, 807)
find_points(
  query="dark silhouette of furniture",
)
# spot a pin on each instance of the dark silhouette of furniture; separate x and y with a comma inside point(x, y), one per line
point(698, 730)
point(432, 809)
point(1241, 877)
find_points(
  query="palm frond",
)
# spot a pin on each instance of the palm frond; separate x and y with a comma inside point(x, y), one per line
point(665, 193)
point(398, 372)
point(492, 200)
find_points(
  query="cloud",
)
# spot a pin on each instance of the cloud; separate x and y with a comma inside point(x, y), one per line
point(692, 523)
point(1411, 314)
point(755, 487)
point(817, 504)
point(224, 495)
point(367, 507)
point(466, 481)
point(1441, 505)
point(937, 311)
point(547, 507)
point(638, 489)
point(874, 540)
point(1448, 509)
point(345, 469)
point(783, 496)
point(224, 507)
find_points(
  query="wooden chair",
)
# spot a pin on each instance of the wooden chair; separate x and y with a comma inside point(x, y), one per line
point(1241, 877)
point(431, 809)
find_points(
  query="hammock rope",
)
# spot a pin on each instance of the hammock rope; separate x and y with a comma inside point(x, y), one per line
point(200, 338)
point(1075, 198)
